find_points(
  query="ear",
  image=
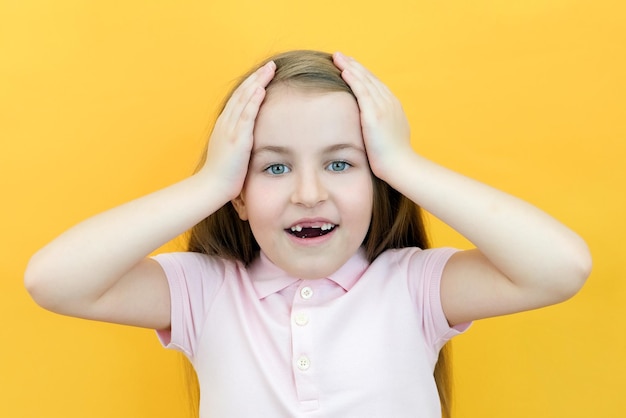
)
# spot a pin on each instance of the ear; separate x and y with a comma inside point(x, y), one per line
point(240, 206)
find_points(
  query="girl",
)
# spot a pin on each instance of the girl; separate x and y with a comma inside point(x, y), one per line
point(307, 289)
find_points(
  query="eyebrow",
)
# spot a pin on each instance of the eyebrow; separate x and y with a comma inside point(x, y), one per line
point(287, 151)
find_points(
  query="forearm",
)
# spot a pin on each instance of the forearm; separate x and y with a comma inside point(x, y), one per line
point(85, 261)
point(525, 258)
point(527, 245)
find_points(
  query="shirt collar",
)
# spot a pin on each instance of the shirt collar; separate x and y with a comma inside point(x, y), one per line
point(267, 278)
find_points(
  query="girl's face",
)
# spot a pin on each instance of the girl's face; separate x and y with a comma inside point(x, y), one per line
point(308, 193)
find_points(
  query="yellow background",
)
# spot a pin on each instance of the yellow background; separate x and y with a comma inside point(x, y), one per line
point(101, 102)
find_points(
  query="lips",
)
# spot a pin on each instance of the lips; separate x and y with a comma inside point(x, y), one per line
point(311, 229)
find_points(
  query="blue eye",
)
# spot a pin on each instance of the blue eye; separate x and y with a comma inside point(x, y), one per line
point(338, 166)
point(277, 169)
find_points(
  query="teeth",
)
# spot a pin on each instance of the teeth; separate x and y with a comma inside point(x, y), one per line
point(326, 227)
point(323, 227)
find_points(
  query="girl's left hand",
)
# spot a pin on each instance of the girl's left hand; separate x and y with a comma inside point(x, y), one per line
point(385, 128)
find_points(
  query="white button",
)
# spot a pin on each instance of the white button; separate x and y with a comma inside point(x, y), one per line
point(306, 292)
point(303, 363)
point(301, 319)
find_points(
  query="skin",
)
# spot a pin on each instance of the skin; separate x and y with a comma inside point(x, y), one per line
point(524, 259)
point(308, 168)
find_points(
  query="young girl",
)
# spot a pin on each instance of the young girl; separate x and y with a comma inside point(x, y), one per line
point(308, 289)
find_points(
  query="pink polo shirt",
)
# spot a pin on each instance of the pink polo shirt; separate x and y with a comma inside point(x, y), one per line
point(361, 343)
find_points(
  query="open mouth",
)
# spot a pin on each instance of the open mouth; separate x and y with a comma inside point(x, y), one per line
point(311, 231)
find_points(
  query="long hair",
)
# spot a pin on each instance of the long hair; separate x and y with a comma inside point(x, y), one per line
point(396, 221)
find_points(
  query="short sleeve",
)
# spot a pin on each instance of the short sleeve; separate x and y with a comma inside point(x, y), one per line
point(424, 271)
point(194, 279)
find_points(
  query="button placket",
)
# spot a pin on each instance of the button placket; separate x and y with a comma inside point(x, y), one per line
point(303, 363)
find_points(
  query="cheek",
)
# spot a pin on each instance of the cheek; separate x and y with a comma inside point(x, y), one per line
point(368, 203)
point(261, 205)
point(359, 202)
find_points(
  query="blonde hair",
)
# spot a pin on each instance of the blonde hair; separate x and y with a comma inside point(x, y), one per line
point(396, 221)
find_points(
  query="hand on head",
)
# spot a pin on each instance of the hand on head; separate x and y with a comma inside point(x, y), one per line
point(231, 140)
point(384, 124)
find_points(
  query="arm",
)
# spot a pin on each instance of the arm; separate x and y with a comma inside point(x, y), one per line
point(524, 258)
point(98, 269)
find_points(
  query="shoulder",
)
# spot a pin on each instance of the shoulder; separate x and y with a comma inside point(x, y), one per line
point(192, 266)
point(420, 271)
point(412, 259)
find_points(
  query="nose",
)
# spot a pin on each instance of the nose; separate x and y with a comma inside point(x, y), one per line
point(309, 189)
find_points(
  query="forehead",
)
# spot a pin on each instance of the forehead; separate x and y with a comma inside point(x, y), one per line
point(290, 116)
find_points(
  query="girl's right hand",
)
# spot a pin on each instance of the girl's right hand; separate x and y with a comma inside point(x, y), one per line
point(231, 141)
point(98, 269)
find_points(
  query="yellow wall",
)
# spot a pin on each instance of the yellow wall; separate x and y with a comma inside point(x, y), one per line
point(101, 102)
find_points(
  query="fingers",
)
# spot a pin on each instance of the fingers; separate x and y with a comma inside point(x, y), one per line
point(385, 128)
point(376, 102)
point(365, 85)
point(245, 101)
point(232, 140)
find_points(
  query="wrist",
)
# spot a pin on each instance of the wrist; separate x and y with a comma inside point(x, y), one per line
point(393, 168)
point(213, 187)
